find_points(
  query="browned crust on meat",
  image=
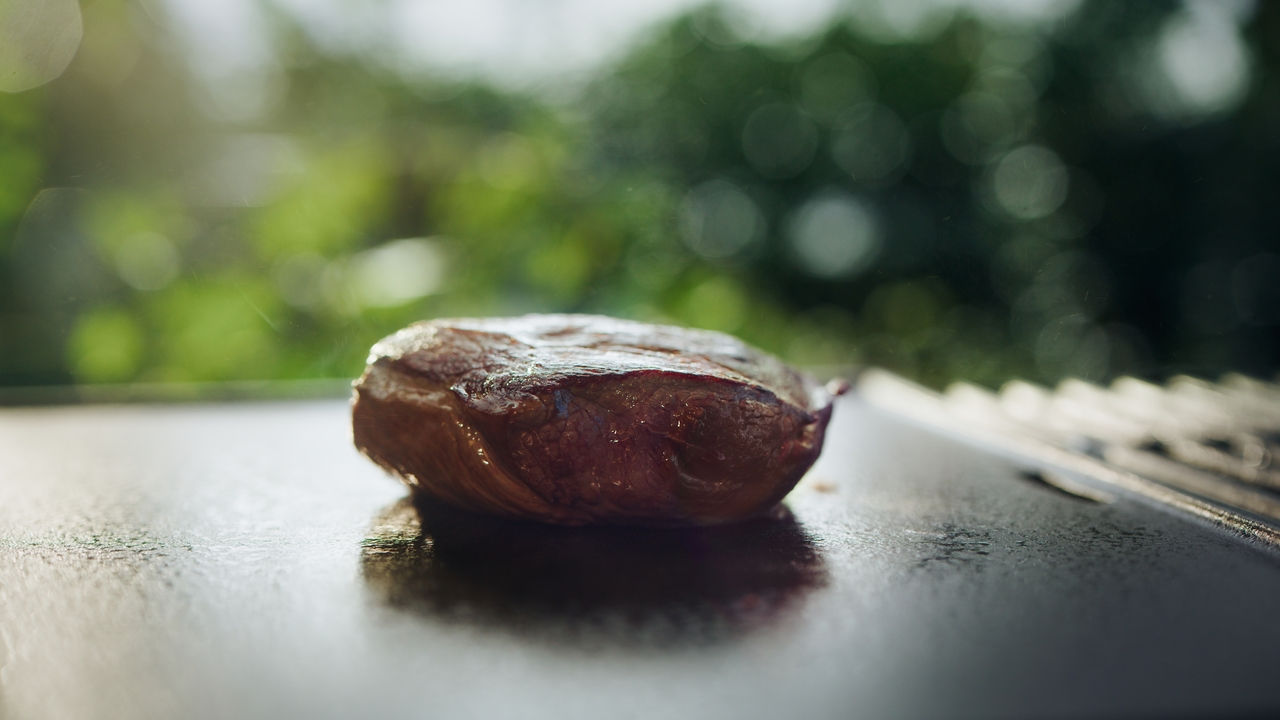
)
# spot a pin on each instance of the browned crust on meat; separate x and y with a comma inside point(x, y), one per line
point(578, 419)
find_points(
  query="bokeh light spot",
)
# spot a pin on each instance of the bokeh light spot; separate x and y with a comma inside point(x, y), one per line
point(147, 261)
point(719, 220)
point(396, 272)
point(834, 235)
point(38, 39)
point(1204, 61)
point(1030, 182)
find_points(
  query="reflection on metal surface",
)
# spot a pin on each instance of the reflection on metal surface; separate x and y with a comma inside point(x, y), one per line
point(1064, 485)
point(645, 586)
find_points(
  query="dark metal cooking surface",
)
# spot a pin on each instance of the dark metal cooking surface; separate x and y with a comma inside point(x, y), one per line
point(243, 561)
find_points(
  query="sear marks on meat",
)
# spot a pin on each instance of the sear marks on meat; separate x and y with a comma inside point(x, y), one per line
point(580, 419)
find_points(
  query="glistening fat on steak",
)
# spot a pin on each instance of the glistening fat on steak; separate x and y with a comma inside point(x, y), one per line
point(578, 419)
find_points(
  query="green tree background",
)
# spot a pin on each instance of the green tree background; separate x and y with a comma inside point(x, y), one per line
point(980, 200)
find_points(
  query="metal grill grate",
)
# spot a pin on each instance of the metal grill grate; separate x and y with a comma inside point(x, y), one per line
point(1208, 449)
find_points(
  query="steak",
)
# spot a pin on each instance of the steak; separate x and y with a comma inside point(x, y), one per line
point(580, 419)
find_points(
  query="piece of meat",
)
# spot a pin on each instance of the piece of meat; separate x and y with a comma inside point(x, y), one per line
point(580, 419)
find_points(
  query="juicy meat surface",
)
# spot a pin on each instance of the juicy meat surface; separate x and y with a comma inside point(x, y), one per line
point(580, 419)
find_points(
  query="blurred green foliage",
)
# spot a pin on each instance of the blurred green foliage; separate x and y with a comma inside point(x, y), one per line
point(984, 200)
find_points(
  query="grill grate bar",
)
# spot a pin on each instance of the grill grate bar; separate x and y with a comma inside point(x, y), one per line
point(1219, 441)
point(1097, 434)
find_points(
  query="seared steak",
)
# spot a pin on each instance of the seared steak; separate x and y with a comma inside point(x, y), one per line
point(577, 419)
